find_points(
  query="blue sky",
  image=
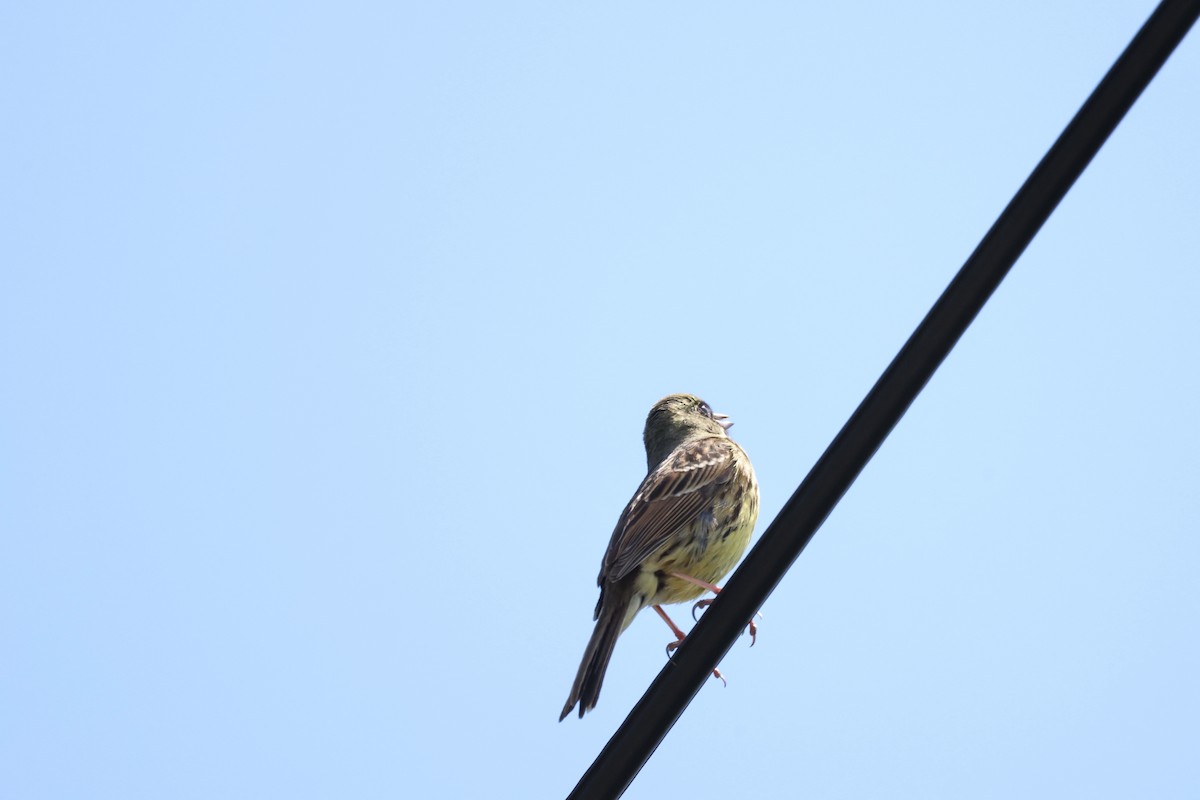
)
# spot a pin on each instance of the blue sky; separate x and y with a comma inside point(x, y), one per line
point(328, 333)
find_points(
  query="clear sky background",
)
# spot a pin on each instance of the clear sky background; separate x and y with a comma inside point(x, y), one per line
point(328, 332)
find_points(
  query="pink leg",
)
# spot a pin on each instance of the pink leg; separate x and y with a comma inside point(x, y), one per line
point(674, 628)
point(679, 636)
point(712, 587)
point(753, 628)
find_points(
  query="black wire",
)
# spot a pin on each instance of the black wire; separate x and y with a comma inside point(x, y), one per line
point(634, 742)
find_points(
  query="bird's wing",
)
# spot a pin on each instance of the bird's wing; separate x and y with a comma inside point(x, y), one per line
point(672, 495)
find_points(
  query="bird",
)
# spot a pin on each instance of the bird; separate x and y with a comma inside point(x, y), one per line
point(685, 528)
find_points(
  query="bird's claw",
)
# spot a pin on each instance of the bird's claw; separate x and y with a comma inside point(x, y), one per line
point(751, 627)
point(673, 646)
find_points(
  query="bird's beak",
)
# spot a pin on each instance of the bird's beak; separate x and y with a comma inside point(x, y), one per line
point(720, 418)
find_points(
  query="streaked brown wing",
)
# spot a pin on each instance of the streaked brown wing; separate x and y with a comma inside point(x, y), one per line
point(670, 497)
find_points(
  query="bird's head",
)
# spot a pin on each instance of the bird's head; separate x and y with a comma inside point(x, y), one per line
point(676, 419)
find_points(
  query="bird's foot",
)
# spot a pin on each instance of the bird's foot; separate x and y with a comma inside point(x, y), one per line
point(751, 627)
point(679, 637)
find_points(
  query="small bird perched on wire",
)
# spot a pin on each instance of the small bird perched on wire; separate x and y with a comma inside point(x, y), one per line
point(685, 528)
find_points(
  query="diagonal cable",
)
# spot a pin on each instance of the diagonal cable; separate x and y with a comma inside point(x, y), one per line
point(663, 703)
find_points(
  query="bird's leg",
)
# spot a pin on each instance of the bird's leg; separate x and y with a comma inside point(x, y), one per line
point(679, 636)
point(712, 587)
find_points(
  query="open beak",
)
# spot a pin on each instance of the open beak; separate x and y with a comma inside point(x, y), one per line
point(721, 420)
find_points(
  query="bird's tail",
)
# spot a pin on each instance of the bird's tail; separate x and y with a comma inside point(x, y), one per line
point(609, 624)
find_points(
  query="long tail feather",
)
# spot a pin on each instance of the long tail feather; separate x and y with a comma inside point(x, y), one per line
point(586, 689)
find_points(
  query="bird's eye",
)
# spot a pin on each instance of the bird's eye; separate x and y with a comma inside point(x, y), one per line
point(706, 410)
